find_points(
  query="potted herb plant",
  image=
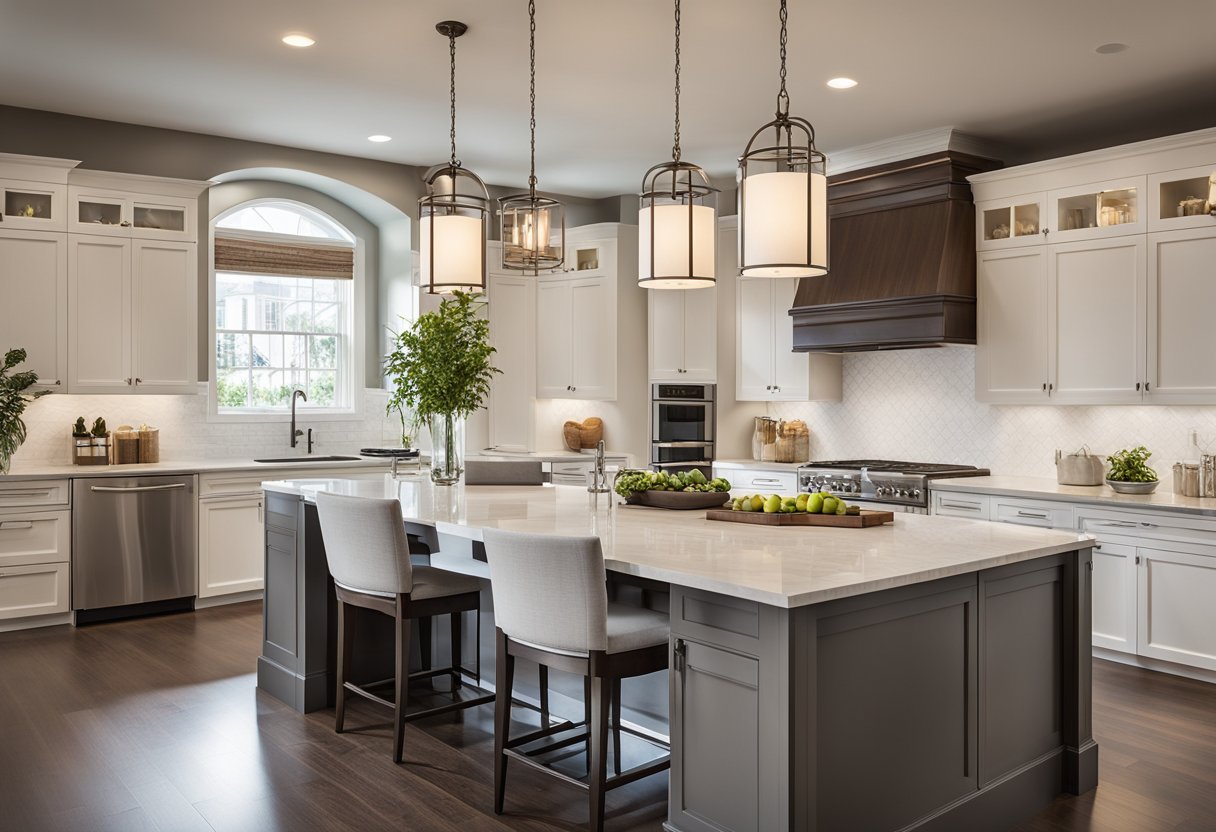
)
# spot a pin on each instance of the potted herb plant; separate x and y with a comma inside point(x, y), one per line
point(441, 371)
point(1129, 472)
point(13, 401)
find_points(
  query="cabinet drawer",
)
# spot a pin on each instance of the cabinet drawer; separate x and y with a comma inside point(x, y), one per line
point(745, 481)
point(34, 494)
point(1032, 513)
point(571, 469)
point(35, 538)
point(951, 504)
point(33, 590)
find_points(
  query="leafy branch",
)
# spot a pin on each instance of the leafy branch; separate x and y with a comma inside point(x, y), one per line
point(440, 365)
point(13, 400)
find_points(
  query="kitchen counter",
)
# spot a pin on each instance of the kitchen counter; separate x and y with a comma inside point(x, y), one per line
point(782, 567)
point(1048, 489)
point(45, 471)
point(916, 675)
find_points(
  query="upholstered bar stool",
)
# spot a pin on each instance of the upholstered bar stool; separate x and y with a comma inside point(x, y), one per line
point(551, 607)
point(369, 557)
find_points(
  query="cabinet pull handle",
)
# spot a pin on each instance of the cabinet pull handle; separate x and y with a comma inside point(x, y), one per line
point(259, 511)
point(1050, 387)
point(680, 656)
point(124, 224)
point(1032, 514)
point(1097, 547)
point(26, 492)
point(1148, 525)
point(963, 506)
point(1137, 387)
point(1146, 387)
point(139, 381)
point(1137, 560)
point(1044, 387)
point(16, 525)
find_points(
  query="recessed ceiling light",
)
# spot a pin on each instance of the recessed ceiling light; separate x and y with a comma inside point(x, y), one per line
point(842, 83)
point(1111, 48)
point(298, 40)
point(379, 138)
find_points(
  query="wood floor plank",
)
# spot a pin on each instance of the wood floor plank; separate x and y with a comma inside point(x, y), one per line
point(157, 724)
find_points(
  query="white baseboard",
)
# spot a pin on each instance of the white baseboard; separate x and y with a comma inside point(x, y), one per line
point(1197, 673)
point(234, 598)
point(35, 621)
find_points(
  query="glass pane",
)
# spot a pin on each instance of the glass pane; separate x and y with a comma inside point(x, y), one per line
point(295, 352)
point(1117, 207)
point(287, 219)
point(996, 224)
point(268, 351)
point(321, 388)
point(323, 352)
point(325, 318)
point(232, 388)
point(99, 213)
point(1183, 197)
point(167, 219)
point(28, 205)
point(1026, 220)
point(272, 388)
point(325, 290)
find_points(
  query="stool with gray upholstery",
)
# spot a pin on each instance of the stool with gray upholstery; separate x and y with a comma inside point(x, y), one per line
point(368, 554)
point(551, 607)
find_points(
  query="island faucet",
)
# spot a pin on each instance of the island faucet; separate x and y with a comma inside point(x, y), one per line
point(599, 478)
point(296, 434)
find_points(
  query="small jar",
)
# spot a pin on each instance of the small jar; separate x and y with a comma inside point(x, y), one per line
point(1190, 479)
point(1177, 477)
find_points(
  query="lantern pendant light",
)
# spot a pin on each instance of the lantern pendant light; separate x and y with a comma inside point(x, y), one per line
point(528, 221)
point(677, 217)
point(783, 194)
point(454, 213)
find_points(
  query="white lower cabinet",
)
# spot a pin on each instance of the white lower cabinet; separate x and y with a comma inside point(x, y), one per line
point(1176, 605)
point(230, 545)
point(37, 589)
point(1114, 597)
point(953, 504)
point(759, 481)
point(1047, 515)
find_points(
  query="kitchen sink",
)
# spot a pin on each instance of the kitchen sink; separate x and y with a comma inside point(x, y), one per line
point(292, 460)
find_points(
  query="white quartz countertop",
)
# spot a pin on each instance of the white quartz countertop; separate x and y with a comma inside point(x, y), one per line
point(1044, 488)
point(756, 465)
point(43, 471)
point(780, 566)
point(561, 455)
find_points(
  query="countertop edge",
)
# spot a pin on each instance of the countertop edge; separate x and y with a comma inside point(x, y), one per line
point(1102, 496)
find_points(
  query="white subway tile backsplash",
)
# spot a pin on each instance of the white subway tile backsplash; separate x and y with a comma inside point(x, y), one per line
point(920, 405)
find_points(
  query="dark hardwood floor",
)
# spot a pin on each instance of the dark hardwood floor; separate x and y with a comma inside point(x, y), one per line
point(155, 724)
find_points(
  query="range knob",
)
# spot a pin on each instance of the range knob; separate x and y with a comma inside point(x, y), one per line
point(915, 492)
point(903, 492)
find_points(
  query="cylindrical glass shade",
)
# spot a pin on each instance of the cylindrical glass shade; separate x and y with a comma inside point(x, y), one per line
point(777, 237)
point(677, 230)
point(460, 245)
point(452, 231)
point(533, 233)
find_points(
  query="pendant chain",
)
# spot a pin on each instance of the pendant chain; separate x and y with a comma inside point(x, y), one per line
point(675, 147)
point(783, 97)
point(532, 92)
point(452, 53)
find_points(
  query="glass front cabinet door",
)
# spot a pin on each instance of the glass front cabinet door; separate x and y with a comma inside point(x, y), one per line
point(1182, 199)
point(32, 206)
point(99, 212)
point(1017, 221)
point(1102, 209)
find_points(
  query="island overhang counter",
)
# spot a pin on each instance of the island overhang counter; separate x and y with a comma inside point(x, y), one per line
point(931, 674)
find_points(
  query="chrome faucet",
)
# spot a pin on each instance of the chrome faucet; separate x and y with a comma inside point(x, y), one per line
point(296, 434)
point(599, 479)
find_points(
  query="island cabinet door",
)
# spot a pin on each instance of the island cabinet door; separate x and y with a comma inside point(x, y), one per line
point(280, 636)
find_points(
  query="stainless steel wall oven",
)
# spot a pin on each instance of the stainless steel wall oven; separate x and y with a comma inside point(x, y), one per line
point(682, 427)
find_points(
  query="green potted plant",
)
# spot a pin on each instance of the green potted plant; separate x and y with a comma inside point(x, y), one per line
point(13, 401)
point(1129, 472)
point(440, 370)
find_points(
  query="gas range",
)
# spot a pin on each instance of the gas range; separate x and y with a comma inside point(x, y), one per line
point(882, 481)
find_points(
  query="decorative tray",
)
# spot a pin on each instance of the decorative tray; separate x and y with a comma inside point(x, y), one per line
point(801, 518)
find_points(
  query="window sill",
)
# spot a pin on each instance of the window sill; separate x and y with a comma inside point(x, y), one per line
point(303, 416)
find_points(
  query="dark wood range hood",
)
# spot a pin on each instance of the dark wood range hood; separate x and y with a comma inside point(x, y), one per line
point(902, 259)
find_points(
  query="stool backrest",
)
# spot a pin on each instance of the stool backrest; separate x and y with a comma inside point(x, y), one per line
point(549, 590)
point(503, 472)
point(365, 543)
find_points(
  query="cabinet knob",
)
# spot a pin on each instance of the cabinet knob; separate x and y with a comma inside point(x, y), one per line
point(1044, 387)
point(1146, 387)
point(139, 381)
point(1137, 387)
point(128, 381)
point(124, 224)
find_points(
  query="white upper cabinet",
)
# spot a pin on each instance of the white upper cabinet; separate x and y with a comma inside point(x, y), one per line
point(512, 310)
point(1096, 323)
point(118, 213)
point(32, 206)
point(1127, 267)
point(1181, 297)
point(99, 315)
point(164, 316)
point(34, 312)
point(1011, 326)
point(683, 334)
point(766, 366)
point(554, 334)
point(576, 338)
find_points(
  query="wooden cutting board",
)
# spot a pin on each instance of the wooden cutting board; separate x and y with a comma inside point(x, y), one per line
point(801, 518)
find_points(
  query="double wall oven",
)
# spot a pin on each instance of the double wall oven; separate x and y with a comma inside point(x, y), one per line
point(682, 427)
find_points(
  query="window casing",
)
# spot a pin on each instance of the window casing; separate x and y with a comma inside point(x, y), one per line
point(275, 333)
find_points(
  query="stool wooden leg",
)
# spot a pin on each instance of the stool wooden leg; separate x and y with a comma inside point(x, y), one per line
point(504, 679)
point(402, 683)
point(616, 725)
point(587, 718)
point(543, 681)
point(424, 644)
point(457, 657)
point(346, 644)
point(599, 750)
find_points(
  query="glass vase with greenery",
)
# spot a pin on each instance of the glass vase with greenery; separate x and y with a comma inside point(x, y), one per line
point(440, 370)
point(13, 400)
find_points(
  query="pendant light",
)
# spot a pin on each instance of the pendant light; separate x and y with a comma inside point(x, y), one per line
point(453, 214)
point(528, 221)
point(677, 215)
point(783, 194)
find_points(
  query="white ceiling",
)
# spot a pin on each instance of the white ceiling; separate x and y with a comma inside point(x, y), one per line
point(1023, 72)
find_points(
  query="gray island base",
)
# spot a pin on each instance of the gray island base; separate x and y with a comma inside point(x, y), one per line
point(846, 681)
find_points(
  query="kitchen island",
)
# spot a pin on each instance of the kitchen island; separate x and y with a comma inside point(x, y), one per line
point(931, 674)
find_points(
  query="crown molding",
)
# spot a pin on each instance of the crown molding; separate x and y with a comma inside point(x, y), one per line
point(911, 145)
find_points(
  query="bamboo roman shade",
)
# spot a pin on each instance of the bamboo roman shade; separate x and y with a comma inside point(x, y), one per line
point(249, 256)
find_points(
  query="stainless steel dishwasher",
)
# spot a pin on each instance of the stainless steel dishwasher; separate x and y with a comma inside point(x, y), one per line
point(134, 541)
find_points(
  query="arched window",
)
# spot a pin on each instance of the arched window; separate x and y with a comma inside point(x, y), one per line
point(284, 275)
